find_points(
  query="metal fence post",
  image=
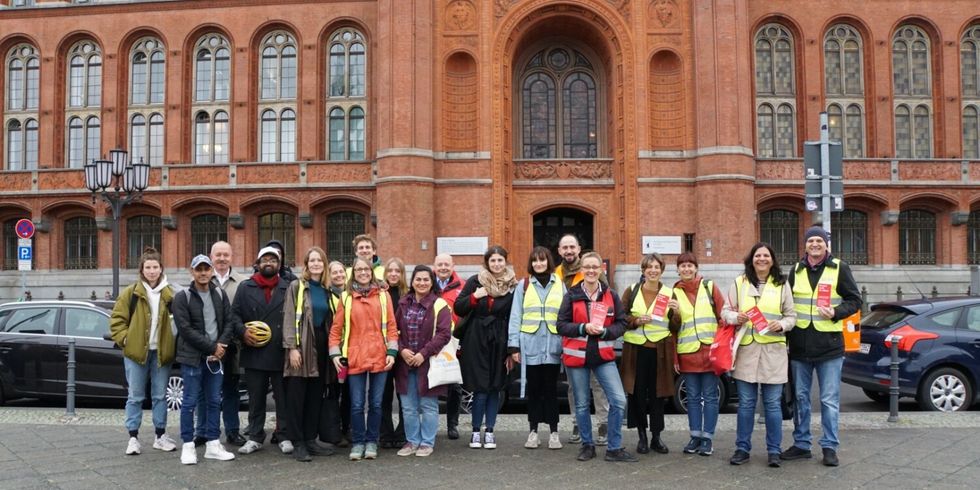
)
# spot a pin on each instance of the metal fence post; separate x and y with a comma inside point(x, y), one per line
point(70, 387)
point(898, 293)
point(893, 386)
point(864, 300)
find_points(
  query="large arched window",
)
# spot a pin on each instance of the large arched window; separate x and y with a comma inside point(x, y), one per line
point(141, 232)
point(205, 230)
point(81, 245)
point(912, 87)
point(970, 91)
point(279, 226)
point(211, 137)
point(278, 136)
point(780, 228)
point(916, 237)
point(342, 227)
point(84, 140)
point(23, 73)
point(559, 105)
point(212, 92)
point(278, 70)
point(775, 92)
point(844, 81)
point(346, 91)
point(850, 241)
point(146, 93)
point(21, 145)
point(277, 98)
point(85, 75)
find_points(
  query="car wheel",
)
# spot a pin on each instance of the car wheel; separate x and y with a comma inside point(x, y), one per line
point(175, 393)
point(877, 396)
point(945, 390)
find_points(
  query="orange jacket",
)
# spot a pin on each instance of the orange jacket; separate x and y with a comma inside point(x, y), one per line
point(366, 347)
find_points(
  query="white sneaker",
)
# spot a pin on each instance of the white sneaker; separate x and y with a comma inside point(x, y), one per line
point(250, 447)
point(214, 450)
point(532, 441)
point(133, 447)
point(164, 443)
point(475, 442)
point(554, 442)
point(286, 447)
point(188, 453)
point(488, 441)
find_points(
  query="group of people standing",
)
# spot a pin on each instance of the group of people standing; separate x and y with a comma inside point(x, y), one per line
point(337, 344)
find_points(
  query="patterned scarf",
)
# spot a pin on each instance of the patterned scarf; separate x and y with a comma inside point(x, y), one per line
point(497, 284)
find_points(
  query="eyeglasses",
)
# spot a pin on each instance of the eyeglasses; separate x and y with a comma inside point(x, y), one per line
point(269, 261)
point(591, 267)
point(362, 269)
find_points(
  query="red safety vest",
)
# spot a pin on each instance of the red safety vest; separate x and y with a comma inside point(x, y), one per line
point(573, 348)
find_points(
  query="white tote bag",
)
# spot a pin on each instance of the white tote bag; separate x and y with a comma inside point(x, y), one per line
point(444, 367)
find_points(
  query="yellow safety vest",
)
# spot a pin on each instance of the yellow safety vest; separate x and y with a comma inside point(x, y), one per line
point(346, 298)
point(655, 331)
point(536, 312)
point(805, 298)
point(698, 321)
point(770, 304)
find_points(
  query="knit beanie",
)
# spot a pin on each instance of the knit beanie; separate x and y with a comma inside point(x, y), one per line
point(816, 231)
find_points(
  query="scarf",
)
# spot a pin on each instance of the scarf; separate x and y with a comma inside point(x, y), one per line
point(153, 299)
point(363, 290)
point(267, 285)
point(497, 284)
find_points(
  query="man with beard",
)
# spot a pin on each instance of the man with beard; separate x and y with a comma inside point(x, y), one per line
point(284, 270)
point(569, 271)
point(449, 288)
point(261, 298)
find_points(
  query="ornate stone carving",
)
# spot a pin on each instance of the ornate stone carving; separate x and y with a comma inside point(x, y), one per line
point(460, 16)
point(623, 6)
point(563, 170)
point(500, 7)
point(665, 11)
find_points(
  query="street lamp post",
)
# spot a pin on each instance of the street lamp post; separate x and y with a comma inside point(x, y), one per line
point(119, 182)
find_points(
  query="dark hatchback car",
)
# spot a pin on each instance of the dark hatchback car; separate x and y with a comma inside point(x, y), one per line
point(34, 353)
point(939, 352)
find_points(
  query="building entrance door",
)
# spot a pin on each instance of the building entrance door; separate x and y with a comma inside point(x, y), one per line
point(551, 225)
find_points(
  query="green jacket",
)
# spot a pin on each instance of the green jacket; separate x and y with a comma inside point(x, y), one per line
point(132, 334)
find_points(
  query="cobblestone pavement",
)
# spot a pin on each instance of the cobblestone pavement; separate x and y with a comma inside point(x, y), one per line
point(38, 450)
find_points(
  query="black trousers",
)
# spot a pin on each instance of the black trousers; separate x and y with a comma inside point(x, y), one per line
point(257, 383)
point(330, 416)
point(388, 430)
point(304, 399)
point(542, 395)
point(644, 402)
point(453, 397)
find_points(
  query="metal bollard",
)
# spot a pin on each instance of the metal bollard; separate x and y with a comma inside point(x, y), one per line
point(864, 300)
point(898, 293)
point(935, 292)
point(893, 386)
point(70, 387)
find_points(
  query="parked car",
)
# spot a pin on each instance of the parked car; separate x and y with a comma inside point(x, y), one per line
point(34, 353)
point(939, 352)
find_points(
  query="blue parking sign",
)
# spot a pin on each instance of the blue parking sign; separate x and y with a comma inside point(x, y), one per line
point(24, 253)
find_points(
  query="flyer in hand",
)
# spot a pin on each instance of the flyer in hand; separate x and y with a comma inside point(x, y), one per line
point(659, 309)
point(758, 320)
point(597, 313)
point(823, 294)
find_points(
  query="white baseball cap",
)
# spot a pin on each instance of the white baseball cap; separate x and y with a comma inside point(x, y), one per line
point(267, 251)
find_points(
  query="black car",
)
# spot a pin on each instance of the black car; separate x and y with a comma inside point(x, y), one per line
point(34, 353)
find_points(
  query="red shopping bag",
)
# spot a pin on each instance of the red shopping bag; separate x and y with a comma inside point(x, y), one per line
point(720, 354)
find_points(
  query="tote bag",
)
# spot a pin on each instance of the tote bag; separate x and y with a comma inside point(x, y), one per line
point(444, 368)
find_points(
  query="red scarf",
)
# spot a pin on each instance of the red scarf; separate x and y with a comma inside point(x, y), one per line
point(266, 284)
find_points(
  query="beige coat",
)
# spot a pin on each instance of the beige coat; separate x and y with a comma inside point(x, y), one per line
point(760, 363)
point(307, 345)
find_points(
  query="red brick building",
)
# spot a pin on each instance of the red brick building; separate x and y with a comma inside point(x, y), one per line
point(513, 120)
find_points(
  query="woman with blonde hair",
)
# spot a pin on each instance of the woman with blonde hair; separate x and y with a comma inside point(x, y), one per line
point(393, 437)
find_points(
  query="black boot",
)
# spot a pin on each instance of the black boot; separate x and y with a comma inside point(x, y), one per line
point(657, 444)
point(642, 447)
point(300, 453)
point(316, 449)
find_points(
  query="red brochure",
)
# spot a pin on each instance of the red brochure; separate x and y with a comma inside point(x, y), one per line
point(758, 320)
point(597, 313)
point(659, 309)
point(823, 294)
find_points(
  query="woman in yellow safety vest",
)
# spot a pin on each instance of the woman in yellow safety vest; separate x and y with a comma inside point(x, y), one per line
point(761, 360)
point(648, 355)
point(699, 302)
point(364, 341)
point(534, 343)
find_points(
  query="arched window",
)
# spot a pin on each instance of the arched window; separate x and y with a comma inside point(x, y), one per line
point(141, 232)
point(553, 126)
point(279, 226)
point(211, 137)
point(781, 229)
point(278, 136)
point(973, 238)
point(205, 230)
point(775, 86)
point(147, 72)
point(23, 69)
point(84, 141)
point(81, 245)
point(278, 70)
point(916, 237)
point(85, 75)
point(346, 89)
point(844, 81)
point(342, 227)
point(212, 69)
point(970, 90)
point(277, 94)
point(912, 86)
point(850, 241)
point(146, 140)
point(22, 145)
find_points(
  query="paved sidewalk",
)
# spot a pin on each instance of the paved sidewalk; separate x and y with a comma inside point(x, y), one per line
point(924, 450)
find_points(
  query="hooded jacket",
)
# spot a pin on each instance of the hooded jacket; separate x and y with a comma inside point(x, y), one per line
point(132, 334)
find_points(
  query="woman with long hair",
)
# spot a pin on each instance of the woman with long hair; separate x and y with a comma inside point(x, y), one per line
point(392, 437)
point(534, 343)
point(425, 326)
point(761, 361)
point(335, 419)
point(485, 301)
point(364, 342)
point(141, 327)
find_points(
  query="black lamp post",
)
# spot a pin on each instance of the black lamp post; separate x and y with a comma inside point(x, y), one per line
point(119, 182)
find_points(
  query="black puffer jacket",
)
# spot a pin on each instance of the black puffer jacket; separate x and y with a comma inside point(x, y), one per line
point(193, 343)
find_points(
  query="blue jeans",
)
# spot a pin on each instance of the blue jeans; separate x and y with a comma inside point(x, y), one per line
point(702, 403)
point(200, 384)
point(420, 413)
point(828, 378)
point(748, 394)
point(608, 377)
point(230, 406)
point(485, 404)
point(136, 377)
point(375, 385)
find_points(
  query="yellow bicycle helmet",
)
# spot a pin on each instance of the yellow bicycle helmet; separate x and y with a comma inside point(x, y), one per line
point(261, 331)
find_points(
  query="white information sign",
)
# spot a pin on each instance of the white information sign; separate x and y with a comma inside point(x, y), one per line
point(461, 245)
point(662, 244)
